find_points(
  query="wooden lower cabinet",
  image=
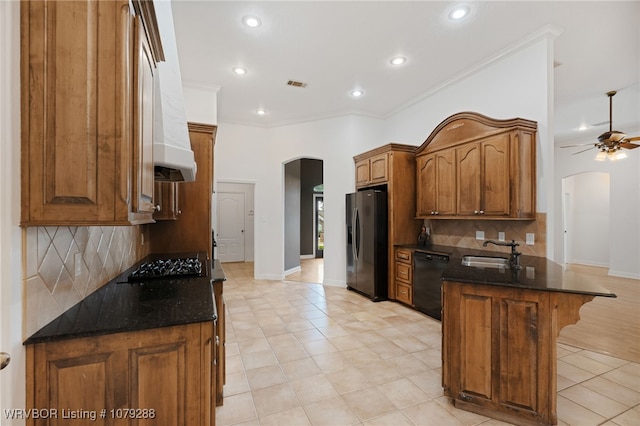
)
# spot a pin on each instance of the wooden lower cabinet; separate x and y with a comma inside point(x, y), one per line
point(161, 376)
point(499, 349)
point(220, 341)
point(404, 275)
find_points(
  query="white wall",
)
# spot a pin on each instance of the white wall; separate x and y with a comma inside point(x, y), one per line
point(201, 104)
point(514, 85)
point(245, 153)
point(624, 203)
point(12, 383)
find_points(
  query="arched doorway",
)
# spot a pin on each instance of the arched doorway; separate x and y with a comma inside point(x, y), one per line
point(304, 220)
point(586, 222)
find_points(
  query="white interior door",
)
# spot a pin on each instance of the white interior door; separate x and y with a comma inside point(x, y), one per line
point(231, 228)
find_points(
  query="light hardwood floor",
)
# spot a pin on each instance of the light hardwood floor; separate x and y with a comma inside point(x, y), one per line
point(609, 326)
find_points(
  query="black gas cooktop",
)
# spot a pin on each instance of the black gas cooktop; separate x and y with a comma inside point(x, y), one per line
point(167, 268)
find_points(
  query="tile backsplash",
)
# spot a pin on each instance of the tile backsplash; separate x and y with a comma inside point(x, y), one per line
point(49, 258)
point(462, 233)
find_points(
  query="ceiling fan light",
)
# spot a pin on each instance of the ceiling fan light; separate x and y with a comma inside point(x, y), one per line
point(602, 156)
point(620, 155)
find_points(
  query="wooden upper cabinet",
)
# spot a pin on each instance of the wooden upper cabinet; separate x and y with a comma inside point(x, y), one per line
point(372, 171)
point(436, 182)
point(473, 166)
point(144, 66)
point(87, 97)
point(483, 177)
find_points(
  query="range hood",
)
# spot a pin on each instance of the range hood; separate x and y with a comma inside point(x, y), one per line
point(172, 154)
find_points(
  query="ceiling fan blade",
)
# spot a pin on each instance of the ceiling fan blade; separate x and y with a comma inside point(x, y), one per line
point(580, 144)
point(635, 138)
point(584, 150)
point(629, 145)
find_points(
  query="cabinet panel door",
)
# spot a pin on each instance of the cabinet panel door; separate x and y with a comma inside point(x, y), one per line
point(379, 168)
point(68, 140)
point(362, 173)
point(426, 191)
point(143, 123)
point(404, 293)
point(523, 336)
point(158, 382)
point(92, 390)
point(404, 272)
point(446, 182)
point(469, 179)
point(495, 176)
point(476, 355)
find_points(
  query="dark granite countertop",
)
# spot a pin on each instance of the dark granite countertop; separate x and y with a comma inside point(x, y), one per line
point(537, 273)
point(119, 306)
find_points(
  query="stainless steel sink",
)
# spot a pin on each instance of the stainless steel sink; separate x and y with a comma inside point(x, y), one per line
point(485, 261)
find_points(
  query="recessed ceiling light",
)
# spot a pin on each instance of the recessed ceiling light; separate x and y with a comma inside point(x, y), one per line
point(240, 70)
point(398, 60)
point(357, 93)
point(261, 112)
point(458, 13)
point(252, 21)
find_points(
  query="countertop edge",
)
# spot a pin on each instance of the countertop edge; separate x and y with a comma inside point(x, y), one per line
point(63, 329)
point(537, 273)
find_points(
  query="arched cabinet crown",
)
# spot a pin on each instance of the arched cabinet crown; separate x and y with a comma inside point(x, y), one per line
point(476, 167)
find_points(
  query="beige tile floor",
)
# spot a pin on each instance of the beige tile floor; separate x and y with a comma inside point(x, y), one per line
point(306, 354)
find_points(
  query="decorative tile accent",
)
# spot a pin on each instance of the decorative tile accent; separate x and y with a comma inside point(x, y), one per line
point(51, 286)
point(462, 233)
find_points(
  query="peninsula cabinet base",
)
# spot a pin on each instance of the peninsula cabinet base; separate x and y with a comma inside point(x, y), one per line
point(499, 349)
point(160, 376)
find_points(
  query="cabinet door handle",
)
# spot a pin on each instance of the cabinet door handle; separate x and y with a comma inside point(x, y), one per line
point(465, 397)
point(157, 207)
point(481, 211)
point(4, 360)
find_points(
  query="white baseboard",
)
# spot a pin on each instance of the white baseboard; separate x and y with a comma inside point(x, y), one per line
point(269, 277)
point(589, 263)
point(307, 256)
point(292, 270)
point(335, 283)
point(624, 274)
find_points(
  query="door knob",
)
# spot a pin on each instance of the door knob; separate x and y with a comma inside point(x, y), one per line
point(4, 360)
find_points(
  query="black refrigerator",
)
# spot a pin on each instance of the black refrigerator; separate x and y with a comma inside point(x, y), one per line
point(367, 249)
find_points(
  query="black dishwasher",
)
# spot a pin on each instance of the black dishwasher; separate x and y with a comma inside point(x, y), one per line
point(427, 273)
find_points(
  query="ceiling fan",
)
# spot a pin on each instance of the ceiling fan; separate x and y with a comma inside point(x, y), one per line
point(609, 143)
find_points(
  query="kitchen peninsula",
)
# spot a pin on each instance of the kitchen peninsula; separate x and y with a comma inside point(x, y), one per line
point(499, 328)
point(147, 347)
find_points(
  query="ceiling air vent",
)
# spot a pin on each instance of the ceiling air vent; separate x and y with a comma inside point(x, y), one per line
point(296, 83)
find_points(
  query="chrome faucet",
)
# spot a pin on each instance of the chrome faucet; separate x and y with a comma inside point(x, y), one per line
point(514, 259)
